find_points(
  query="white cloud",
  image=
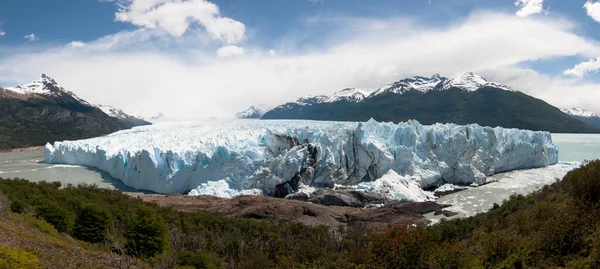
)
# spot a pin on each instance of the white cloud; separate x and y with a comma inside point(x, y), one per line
point(31, 37)
point(558, 91)
point(272, 53)
point(76, 44)
point(230, 51)
point(529, 7)
point(176, 16)
point(185, 86)
point(2, 33)
point(582, 69)
point(593, 9)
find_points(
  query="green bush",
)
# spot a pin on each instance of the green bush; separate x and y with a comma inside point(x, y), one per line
point(91, 223)
point(59, 217)
point(146, 233)
point(584, 183)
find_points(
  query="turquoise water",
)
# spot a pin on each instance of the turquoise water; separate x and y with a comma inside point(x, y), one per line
point(577, 147)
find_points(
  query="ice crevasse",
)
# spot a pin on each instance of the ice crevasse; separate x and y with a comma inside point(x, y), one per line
point(278, 157)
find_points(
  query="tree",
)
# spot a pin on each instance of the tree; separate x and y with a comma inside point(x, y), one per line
point(91, 223)
point(146, 233)
point(57, 216)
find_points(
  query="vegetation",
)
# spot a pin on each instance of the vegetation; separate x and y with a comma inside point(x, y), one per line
point(487, 107)
point(558, 226)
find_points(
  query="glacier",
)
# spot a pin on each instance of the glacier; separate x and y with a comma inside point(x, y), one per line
point(278, 157)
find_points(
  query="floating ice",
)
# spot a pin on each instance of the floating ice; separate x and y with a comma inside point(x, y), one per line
point(279, 156)
point(397, 188)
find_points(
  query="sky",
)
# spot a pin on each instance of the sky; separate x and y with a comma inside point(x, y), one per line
point(198, 59)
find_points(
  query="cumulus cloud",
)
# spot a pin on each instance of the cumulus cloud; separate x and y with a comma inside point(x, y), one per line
point(593, 10)
point(176, 16)
point(31, 37)
point(184, 85)
point(230, 51)
point(582, 69)
point(529, 7)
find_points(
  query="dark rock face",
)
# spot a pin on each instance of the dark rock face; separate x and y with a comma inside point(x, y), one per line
point(34, 119)
point(331, 197)
point(446, 213)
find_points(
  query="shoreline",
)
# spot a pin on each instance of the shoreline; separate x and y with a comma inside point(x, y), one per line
point(28, 149)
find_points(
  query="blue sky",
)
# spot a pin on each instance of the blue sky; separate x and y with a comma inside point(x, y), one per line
point(199, 58)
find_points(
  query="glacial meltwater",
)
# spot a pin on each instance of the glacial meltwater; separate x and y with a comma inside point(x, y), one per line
point(573, 150)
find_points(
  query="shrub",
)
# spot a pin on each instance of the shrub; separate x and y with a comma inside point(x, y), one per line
point(60, 218)
point(91, 223)
point(403, 248)
point(17, 259)
point(584, 183)
point(146, 233)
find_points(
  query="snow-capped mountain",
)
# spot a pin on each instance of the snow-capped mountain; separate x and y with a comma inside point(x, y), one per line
point(350, 94)
point(577, 111)
point(253, 112)
point(463, 99)
point(417, 83)
point(128, 120)
point(43, 111)
point(583, 115)
point(46, 87)
point(468, 81)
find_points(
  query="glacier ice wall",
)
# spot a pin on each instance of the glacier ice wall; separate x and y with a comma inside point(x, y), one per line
point(278, 156)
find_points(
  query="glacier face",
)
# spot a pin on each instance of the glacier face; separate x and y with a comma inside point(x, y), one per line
point(276, 157)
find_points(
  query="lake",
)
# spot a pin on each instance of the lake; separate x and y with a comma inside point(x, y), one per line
point(572, 147)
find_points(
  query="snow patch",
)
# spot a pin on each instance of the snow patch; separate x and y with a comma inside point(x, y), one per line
point(577, 111)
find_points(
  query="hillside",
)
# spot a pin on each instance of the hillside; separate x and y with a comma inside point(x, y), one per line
point(28, 243)
point(42, 111)
point(464, 99)
point(556, 227)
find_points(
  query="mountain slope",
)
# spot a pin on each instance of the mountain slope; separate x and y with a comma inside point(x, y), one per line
point(42, 111)
point(253, 112)
point(128, 120)
point(584, 116)
point(464, 99)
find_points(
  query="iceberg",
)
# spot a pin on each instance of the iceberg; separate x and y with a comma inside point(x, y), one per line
point(278, 157)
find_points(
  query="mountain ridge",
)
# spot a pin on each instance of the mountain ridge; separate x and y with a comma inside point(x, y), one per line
point(463, 99)
point(583, 115)
point(43, 111)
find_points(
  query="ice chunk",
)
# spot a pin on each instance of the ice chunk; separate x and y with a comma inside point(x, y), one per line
point(221, 188)
point(397, 188)
point(276, 156)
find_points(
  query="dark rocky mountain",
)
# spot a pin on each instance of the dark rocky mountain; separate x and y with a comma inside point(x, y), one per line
point(465, 99)
point(584, 116)
point(42, 111)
